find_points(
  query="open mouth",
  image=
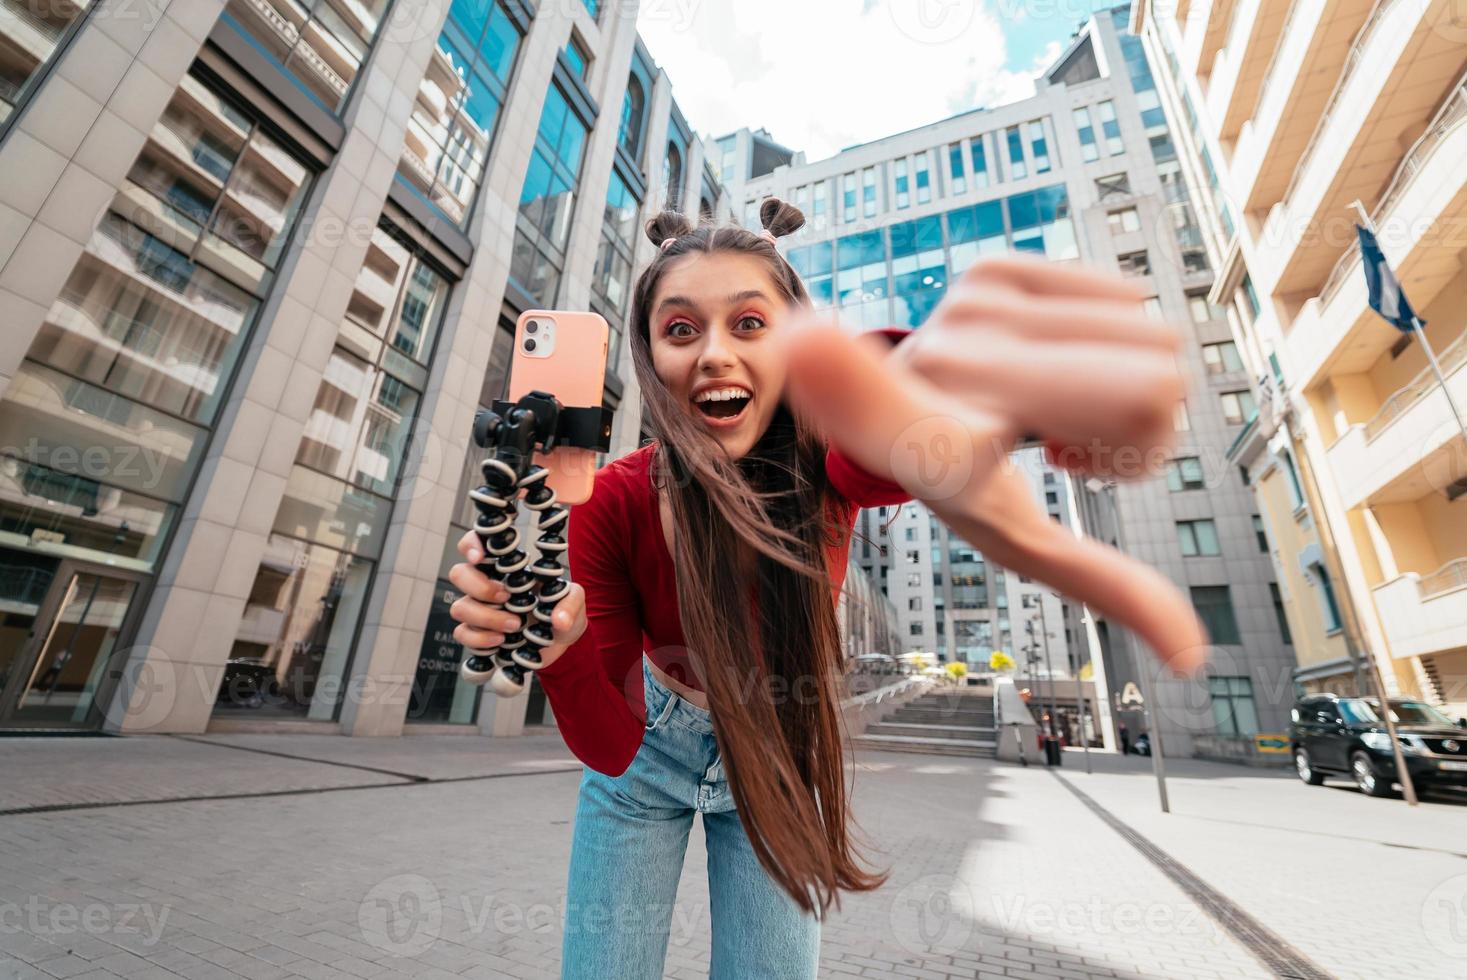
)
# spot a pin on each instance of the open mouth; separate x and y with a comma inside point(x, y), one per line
point(724, 405)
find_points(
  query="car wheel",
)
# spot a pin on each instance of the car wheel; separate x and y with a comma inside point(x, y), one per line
point(1305, 769)
point(1364, 772)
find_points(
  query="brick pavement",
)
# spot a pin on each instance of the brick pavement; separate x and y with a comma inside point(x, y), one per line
point(997, 871)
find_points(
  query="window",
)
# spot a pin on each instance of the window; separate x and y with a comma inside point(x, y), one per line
point(914, 604)
point(813, 263)
point(1249, 299)
point(1183, 422)
point(1134, 263)
point(672, 175)
point(1233, 710)
point(1184, 473)
point(1296, 490)
point(822, 198)
point(1260, 533)
point(955, 168)
point(1238, 406)
point(1328, 606)
point(576, 54)
point(1110, 128)
point(861, 286)
point(1115, 184)
point(611, 278)
point(924, 177)
point(319, 46)
point(868, 192)
point(1202, 311)
point(911, 534)
point(1040, 221)
point(633, 104)
point(1086, 130)
point(1198, 538)
point(848, 198)
point(1214, 607)
point(1038, 147)
point(1278, 612)
point(978, 155)
point(32, 34)
point(914, 557)
point(1017, 170)
point(1221, 358)
point(547, 198)
point(455, 113)
point(919, 270)
point(976, 231)
point(1051, 497)
point(915, 629)
point(1123, 221)
point(903, 193)
point(914, 580)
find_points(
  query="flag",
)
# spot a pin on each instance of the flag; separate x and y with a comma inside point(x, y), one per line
point(1386, 295)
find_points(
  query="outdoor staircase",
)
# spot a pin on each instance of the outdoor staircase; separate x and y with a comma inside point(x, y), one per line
point(949, 721)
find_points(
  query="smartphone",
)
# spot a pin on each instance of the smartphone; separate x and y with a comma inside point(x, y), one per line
point(564, 353)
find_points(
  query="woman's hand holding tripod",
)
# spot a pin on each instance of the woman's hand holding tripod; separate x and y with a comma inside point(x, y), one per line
point(1019, 347)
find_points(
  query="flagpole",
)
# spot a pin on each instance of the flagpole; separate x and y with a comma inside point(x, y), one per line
point(1403, 772)
point(1421, 336)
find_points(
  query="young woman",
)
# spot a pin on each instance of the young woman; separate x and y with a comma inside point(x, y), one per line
point(698, 666)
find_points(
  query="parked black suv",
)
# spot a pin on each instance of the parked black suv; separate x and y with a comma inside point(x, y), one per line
point(1331, 735)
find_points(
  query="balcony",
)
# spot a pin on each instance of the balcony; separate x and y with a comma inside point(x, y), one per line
point(1238, 72)
point(1336, 332)
point(1404, 65)
point(1412, 446)
point(1425, 614)
point(1205, 30)
point(1311, 51)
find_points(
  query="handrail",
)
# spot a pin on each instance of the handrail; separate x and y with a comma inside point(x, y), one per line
point(1452, 575)
point(881, 694)
point(1452, 113)
point(1294, 7)
point(1347, 71)
point(1404, 397)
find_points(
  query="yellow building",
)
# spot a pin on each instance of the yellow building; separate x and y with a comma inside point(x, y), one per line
point(1294, 111)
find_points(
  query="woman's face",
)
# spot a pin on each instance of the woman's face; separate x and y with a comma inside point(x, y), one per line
point(709, 326)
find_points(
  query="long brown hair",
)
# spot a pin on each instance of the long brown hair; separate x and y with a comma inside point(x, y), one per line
point(759, 526)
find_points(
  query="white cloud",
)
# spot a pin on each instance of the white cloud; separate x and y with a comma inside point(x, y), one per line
point(822, 76)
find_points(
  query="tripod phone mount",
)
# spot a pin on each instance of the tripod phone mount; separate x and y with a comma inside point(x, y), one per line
point(514, 432)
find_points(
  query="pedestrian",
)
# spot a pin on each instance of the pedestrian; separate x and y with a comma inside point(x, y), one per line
point(1125, 740)
point(696, 667)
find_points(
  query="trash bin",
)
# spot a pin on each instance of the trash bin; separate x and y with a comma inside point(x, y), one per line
point(1052, 754)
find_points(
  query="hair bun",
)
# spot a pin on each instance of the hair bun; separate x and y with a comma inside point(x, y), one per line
point(667, 224)
point(780, 218)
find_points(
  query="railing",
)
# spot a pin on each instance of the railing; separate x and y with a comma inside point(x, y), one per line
point(1451, 115)
point(1450, 359)
point(1452, 575)
point(1362, 39)
point(1278, 49)
point(890, 691)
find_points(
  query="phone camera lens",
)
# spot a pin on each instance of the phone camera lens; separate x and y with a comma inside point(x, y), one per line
point(529, 345)
point(532, 326)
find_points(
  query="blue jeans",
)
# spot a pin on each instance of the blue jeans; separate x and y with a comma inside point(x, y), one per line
point(631, 835)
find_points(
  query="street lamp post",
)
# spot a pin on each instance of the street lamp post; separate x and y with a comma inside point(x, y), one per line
point(1074, 680)
point(1148, 694)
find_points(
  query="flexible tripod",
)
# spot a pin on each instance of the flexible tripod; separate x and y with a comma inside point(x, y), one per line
point(514, 431)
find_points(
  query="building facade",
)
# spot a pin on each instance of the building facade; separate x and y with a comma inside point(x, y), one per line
point(259, 265)
point(1294, 113)
point(1086, 170)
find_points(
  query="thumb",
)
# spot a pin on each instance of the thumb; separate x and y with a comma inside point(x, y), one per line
point(887, 420)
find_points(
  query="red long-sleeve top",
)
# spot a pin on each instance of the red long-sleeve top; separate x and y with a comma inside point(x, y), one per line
point(619, 557)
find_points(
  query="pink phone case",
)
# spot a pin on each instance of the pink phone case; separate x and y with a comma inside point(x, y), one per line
point(575, 373)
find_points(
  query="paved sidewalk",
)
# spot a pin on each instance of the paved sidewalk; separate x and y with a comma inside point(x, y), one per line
point(441, 857)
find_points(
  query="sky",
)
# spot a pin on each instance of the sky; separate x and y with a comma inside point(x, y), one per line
point(822, 75)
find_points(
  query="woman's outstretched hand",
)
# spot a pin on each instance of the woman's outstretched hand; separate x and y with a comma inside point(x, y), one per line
point(1018, 347)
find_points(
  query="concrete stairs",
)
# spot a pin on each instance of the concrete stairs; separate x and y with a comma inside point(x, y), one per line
point(942, 722)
